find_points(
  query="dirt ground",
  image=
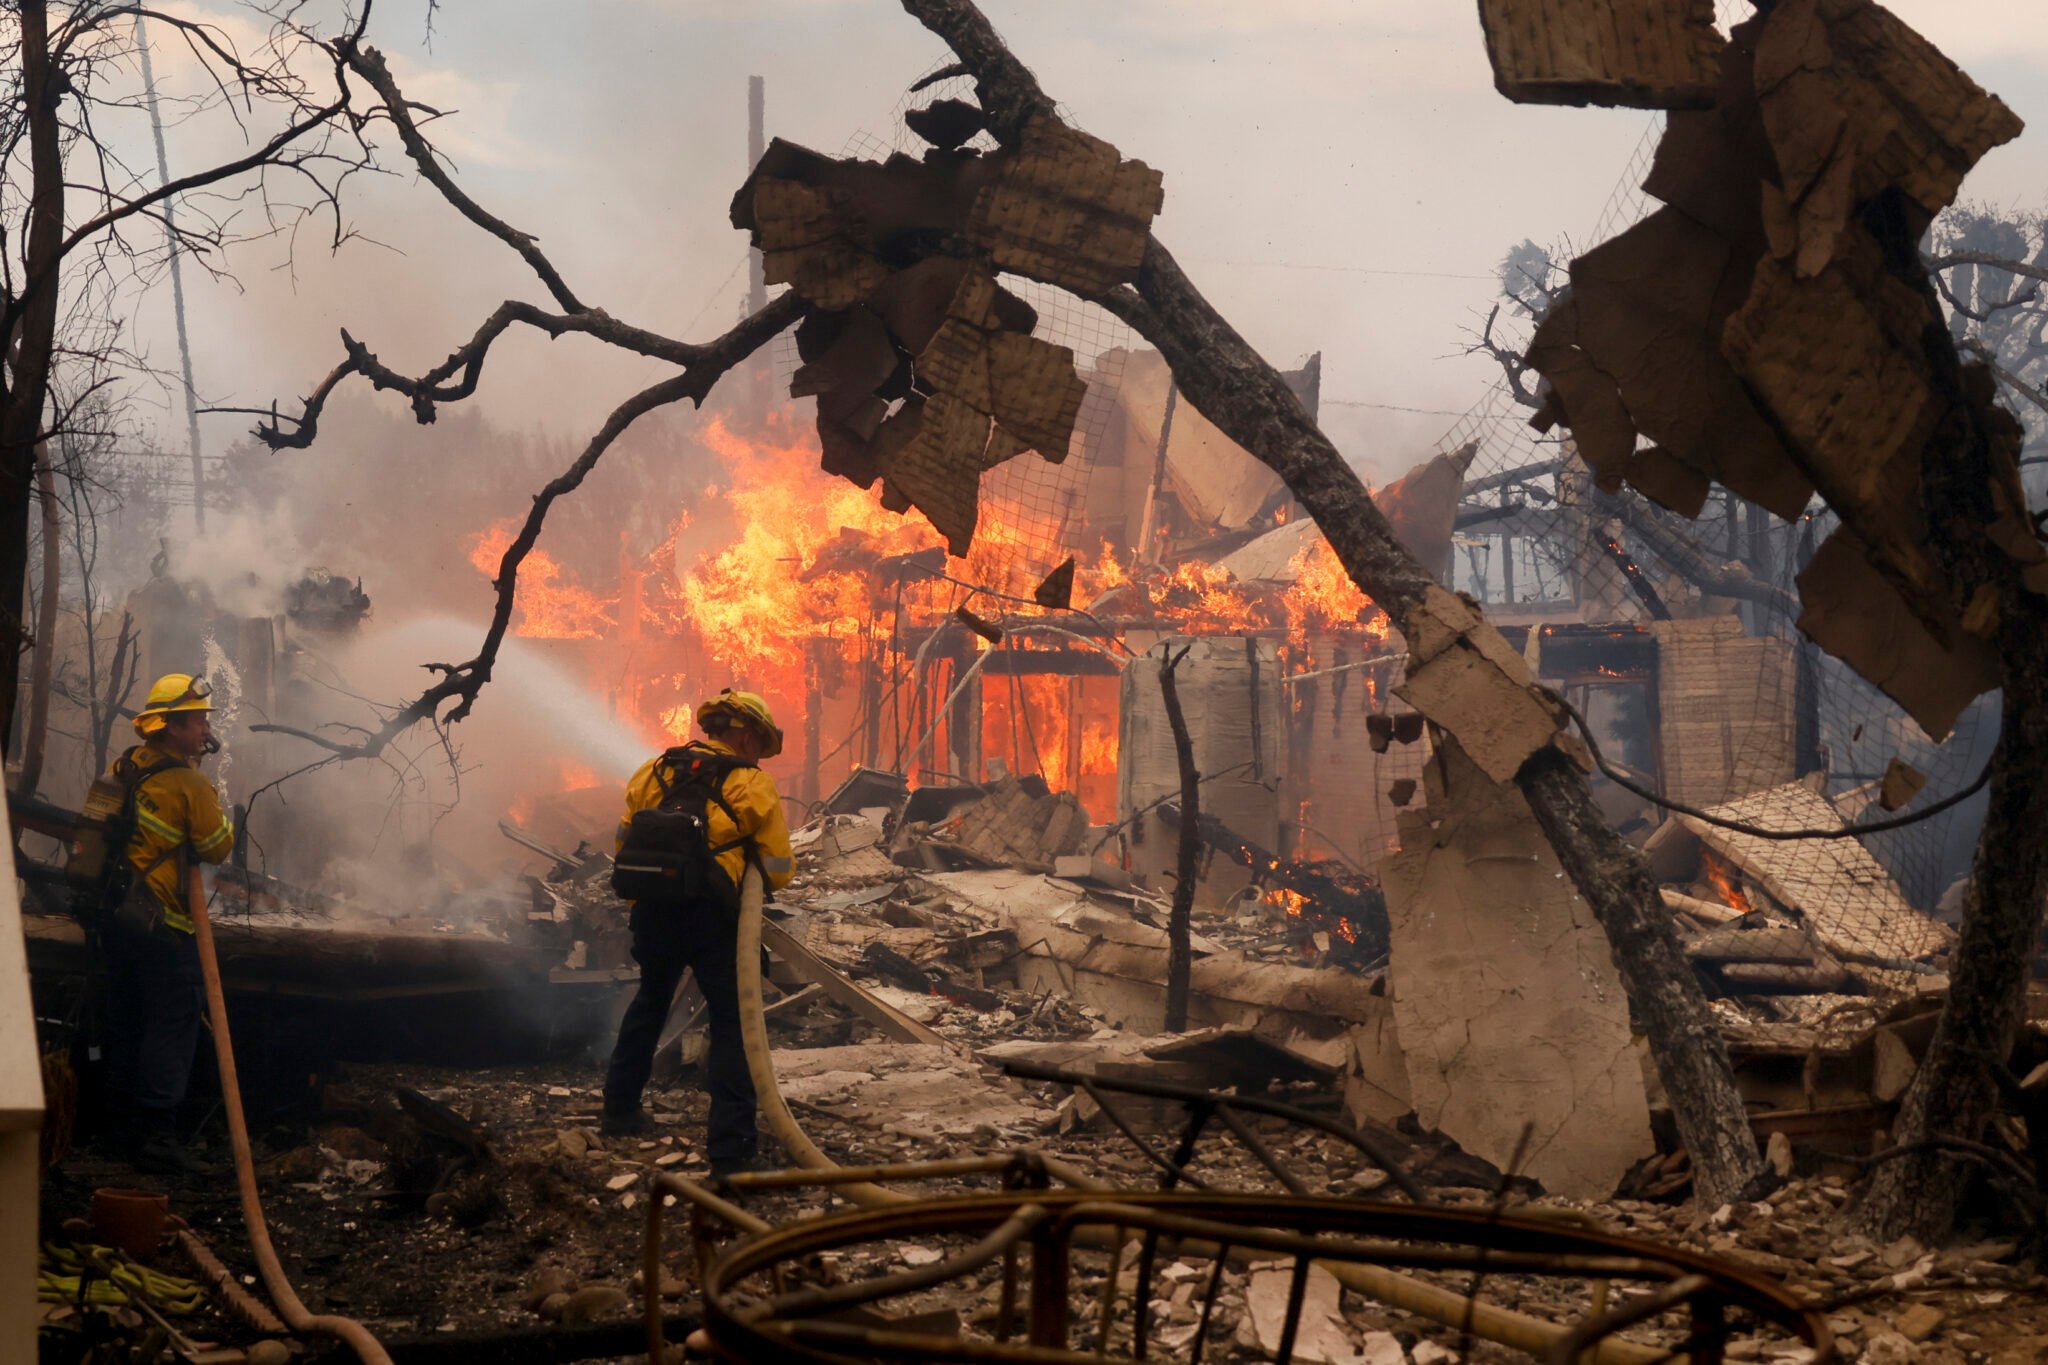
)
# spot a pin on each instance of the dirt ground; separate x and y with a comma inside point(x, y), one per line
point(419, 1237)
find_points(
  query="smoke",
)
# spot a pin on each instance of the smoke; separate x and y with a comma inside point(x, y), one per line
point(246, 561)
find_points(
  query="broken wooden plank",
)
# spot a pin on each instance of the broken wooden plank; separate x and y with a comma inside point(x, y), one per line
point(1637, 54)
point(1783, 944)
point(1709, 912)
point(1237, 1055)
point(815, 969)
point(1854, 907)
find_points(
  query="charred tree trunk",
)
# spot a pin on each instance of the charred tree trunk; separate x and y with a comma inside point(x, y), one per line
point(1954, 1090)
point(35, 734)
point(106, 708)
point(30, 339)
point(1233, 386)
point(1180, 957)
point(1663, 992)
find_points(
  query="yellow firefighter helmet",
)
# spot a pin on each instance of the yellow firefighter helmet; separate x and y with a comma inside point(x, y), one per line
point(746, 707)
point(172, 692)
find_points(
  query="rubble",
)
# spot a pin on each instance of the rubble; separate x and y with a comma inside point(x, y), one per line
point(1852, 904)
point(916, 1090)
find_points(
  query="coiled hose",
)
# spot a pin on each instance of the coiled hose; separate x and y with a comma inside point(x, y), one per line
point(1505, 1326)
point(295, 1314)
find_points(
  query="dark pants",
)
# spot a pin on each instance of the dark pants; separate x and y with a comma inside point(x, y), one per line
point(155, 998)
point(703, 938)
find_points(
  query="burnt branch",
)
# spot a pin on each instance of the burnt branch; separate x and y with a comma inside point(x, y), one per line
point(2032, 393)
point(460, 683)
point(1179, 955)
point(369, 64)
point(1952, 259)
point(1513, 367)
point(455, 378)
point(1677, 548)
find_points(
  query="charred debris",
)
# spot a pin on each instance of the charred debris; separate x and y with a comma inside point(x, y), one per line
point(1182, 952)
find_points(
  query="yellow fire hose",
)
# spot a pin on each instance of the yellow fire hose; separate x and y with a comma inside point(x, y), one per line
point(1504, 1326)
point(295, 1313)
point(106, 1278)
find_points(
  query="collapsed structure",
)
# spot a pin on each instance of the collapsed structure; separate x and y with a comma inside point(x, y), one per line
point(994, 786)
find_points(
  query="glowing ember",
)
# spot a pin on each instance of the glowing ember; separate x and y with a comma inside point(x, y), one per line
point(1295, 905)
point(1291, 903)
point(1723, 881)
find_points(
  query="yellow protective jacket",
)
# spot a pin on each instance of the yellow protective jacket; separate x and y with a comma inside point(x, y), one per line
point(177, 814)
point(751, 794)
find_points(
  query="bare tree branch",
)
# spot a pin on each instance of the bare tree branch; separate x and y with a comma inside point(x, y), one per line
point(369, 64)
point(1512, 366)
point(2030, 392)
point(1950, 260)
point(460, 683)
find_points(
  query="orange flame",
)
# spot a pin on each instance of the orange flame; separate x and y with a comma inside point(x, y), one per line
point(788, 580)
point(1723, 881)
point(548, 607)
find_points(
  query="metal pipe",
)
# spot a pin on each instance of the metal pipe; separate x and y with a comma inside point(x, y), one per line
point(1292, 679)
point(945, 709)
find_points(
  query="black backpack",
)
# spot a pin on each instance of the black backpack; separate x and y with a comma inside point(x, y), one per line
point(668, 855)
point(97, 868)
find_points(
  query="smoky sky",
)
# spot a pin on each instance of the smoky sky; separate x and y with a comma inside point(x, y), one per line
point(1340, 177)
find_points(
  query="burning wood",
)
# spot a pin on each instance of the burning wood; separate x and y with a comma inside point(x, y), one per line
point(1344, 903)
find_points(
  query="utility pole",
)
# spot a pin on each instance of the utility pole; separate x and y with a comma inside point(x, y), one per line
point(163, 171)
point(757, 145)
point(760, 371)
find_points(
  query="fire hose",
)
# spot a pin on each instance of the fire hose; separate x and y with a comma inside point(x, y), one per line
point(295, 1313)
point(1505, 1326)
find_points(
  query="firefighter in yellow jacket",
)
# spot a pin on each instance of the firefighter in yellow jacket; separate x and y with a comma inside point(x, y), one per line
point(155, 995)
point(718, 781)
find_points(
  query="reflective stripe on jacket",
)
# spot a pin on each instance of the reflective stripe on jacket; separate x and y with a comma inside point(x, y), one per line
point(174, 810)
point(751, 794)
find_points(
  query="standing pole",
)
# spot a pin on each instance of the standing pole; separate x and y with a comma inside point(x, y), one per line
point(760, 371)
point(757, 146)
point(163, 171)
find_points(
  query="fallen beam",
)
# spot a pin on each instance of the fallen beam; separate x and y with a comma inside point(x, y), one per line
point(815, 969)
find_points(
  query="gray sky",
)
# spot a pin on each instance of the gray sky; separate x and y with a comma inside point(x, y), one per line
point(1307, 145)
